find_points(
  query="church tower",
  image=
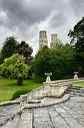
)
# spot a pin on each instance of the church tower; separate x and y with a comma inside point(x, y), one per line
point(43, 41)
point(55, 42)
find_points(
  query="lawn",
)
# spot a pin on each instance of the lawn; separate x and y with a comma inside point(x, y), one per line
point(9, 87)
point(79, 83)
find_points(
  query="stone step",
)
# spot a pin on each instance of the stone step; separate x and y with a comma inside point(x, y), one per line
point(26, 119)
point(76, 91)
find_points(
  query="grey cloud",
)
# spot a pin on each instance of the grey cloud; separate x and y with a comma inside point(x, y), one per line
point(22, 13)
point(67, 10)
point(25, 13)
point(78, 7)
point(57, 20)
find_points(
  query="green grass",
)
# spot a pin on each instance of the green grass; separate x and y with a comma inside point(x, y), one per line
point(79, 83)
point(9, 87)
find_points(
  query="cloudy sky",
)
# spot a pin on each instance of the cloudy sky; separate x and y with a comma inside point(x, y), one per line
point(25, 18)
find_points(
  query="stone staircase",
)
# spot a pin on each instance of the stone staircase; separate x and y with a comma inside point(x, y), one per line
point(75, 90)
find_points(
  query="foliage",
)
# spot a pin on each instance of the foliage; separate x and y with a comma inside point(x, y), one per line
point(13, 67)
point(59, 61)
point(25, 50)
point(18, 93)
point(67, 53)
point(8, 49)
point(77, 38)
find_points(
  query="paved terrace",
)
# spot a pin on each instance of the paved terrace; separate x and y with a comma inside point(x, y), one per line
point(65, 115)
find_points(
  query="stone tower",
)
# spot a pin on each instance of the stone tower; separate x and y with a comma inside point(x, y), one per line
point(43, 41)
point(55, 41)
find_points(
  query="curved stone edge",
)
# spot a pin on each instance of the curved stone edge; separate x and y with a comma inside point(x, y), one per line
point(64, 99)
point(5, 103)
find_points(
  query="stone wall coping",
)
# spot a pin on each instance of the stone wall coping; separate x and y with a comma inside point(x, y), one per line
point(9, 102)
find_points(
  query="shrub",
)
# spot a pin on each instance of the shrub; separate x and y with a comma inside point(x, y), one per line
point(37, 78)
point(18, 93)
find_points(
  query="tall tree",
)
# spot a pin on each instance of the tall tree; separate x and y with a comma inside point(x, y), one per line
point(77, 38)
point(25, 50)
point(9, 48)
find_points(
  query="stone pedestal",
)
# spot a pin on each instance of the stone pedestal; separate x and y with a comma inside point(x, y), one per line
point(75, 77)
point(48, 79)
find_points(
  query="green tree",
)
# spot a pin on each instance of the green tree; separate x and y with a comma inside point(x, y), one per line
point(77, 39)
point(59, 61)
point(25, 50)
point(67, 53)
point(13, 67)
point(8, 49)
